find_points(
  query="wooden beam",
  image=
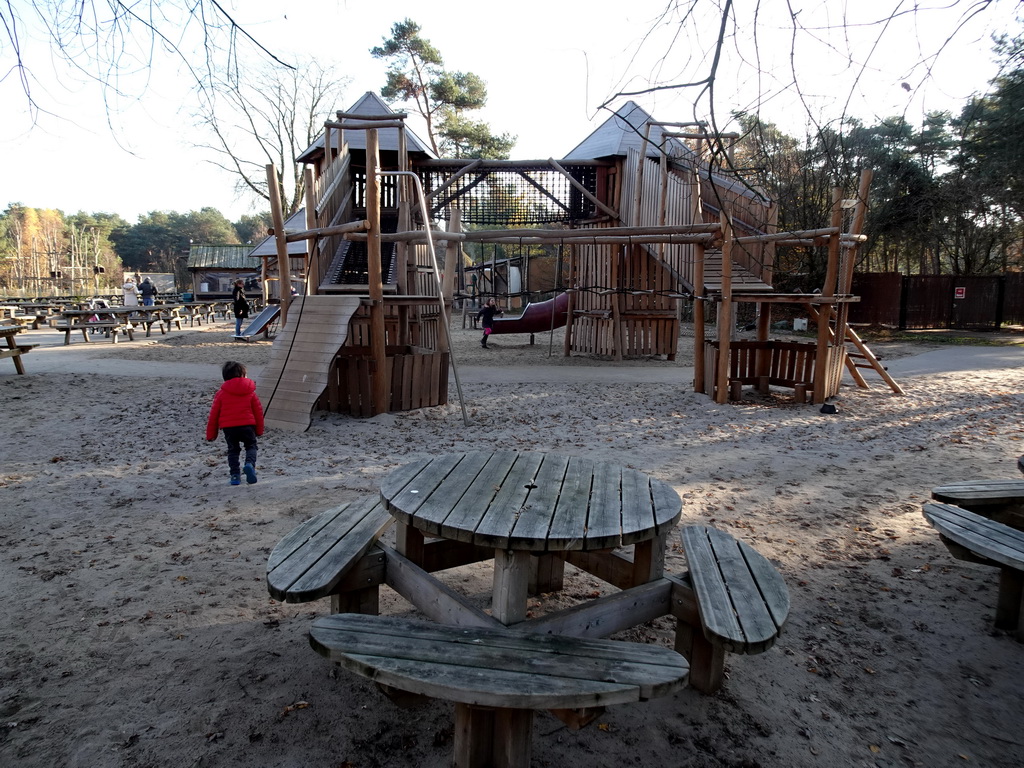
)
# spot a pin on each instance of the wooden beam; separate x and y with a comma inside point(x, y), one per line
point(582, 189)
point(379, 389)
point(277, 214)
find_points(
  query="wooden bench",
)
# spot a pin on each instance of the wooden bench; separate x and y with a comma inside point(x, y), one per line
point(147, 322)
point(731, 600)
point(15, 353)
point(497, 677)
point(328, 556)
point(1000, 500)
point(764, 364)
point(110, 328)
point(976, 539)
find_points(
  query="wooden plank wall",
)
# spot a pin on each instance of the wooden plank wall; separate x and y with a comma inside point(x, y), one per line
point(650, 323)
point(679, 195)
point(417, 378)
point(784, 364)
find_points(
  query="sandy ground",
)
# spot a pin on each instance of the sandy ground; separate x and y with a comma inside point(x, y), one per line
point(139, 631)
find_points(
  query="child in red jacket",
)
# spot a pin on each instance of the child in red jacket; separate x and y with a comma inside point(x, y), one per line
point(238, 411)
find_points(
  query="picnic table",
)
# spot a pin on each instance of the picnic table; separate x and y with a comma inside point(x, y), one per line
point(513, 506)
point(14, 350)
point(529, 513)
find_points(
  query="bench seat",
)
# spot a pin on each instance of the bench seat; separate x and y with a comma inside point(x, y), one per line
point(971, 537)
point(742, 603)
point(110, 327)
point(496, 677)
point(313, 560)
point(1000, 500)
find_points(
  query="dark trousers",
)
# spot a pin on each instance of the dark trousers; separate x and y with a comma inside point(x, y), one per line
point(236, 437)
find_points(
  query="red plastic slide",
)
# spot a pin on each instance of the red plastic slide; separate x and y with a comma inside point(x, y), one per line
point(537, 317)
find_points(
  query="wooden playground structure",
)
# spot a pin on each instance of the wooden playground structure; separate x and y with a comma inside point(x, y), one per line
point(645, 224)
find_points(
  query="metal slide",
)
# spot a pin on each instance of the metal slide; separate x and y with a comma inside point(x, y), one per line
point(260, 323)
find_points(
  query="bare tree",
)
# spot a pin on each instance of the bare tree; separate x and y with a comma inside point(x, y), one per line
point(269, 117)
point(706, 49)
point(115, 43)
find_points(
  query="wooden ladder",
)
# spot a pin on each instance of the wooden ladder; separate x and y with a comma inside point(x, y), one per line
point(862, 358)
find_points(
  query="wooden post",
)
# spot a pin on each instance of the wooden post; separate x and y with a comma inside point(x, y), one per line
point(725, 320)
point(452, 259)
point(402, 252)
point(821, 357)
point(378, 350)
point(313, 276)
point(283, 272)
point(699, 254)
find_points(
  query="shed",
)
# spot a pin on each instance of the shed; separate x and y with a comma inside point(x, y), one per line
point(214, 268)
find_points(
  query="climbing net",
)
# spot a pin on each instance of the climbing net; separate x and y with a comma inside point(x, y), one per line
point(519, 196)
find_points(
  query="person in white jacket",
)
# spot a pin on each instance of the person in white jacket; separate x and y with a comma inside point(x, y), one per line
point(131, 293)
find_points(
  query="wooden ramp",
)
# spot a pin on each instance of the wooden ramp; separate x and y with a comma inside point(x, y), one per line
point(300, 359)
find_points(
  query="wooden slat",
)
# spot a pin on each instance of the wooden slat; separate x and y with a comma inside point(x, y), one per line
point(981, 492)
point(465, 516)
point(310, 561)
point(568, 523)
point(986, 538)
point(742, 600)
point(498, 668)
point(495, 527)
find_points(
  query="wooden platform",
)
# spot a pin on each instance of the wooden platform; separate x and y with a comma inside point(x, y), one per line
point(300, 359)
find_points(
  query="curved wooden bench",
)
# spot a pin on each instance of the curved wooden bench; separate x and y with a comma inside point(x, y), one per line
point(497, 677)
point(742, 603)
point(971, 537)
point(1000, 500)
point(328, 556)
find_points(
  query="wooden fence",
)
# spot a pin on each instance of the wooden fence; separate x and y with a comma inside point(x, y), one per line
point(939, 301)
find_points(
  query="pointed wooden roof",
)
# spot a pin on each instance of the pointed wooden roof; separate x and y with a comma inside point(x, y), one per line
point(369, 104)
point(621, 132)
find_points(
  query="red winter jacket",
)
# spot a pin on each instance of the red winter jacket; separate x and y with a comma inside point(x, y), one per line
point(235, 405)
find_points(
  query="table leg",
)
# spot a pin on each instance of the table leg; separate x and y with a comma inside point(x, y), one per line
point(19, 366)
point(1008, 603)
point(547, 573)
point(649, 560)
point(511, 582)
point(501, 738)
point(409, 543)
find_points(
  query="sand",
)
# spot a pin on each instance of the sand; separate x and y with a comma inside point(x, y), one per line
point(139, 631)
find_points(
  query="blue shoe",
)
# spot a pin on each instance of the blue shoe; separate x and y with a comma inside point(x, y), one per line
point(236, 480)
point(250, 473)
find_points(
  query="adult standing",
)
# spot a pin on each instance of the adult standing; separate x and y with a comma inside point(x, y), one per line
point(131, 293)
point(239, 304)
point(148, 291)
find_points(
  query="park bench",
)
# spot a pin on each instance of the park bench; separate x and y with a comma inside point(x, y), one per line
point(731, 600)
point(147, 321)
point(497, 677)
point(976, 539)
point(1000, 500)
point(15, 351)
point(329, 555)
point(110, 328)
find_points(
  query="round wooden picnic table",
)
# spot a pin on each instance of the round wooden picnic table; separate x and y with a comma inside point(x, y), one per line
point(518, 503)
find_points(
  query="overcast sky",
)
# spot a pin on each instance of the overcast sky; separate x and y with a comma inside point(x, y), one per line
point(548, 64)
